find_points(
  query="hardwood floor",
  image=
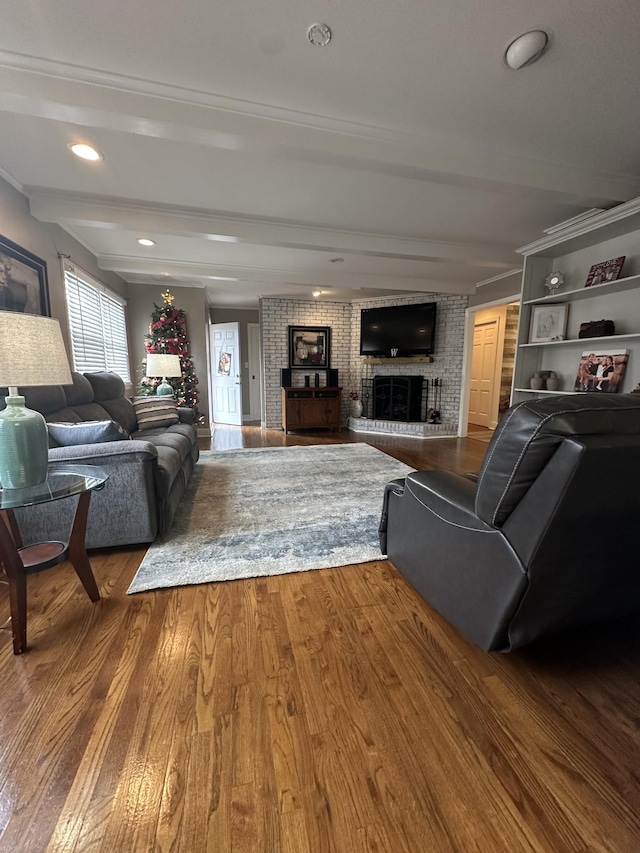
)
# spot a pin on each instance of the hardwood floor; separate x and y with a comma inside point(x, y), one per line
point(322, 711)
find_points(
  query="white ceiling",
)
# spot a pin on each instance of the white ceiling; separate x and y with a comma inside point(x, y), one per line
point(406, 146)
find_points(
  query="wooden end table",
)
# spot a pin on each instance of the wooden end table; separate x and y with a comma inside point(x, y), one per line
point(18, 560)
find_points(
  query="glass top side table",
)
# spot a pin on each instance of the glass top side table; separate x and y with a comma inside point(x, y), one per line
point(18, 560)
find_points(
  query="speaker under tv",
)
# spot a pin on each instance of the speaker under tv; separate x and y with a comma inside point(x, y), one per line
point(332, 377)
point(285, 377)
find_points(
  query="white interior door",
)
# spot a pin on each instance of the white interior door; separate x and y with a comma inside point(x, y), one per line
point(227, 376)
point(253, 350)
point(483, 369)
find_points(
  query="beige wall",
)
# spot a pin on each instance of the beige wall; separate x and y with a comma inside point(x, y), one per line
point(241, 316)
point(45, 241)
point(192, 301)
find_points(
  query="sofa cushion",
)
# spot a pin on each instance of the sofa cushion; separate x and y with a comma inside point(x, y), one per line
point(165, 438)
point(80, 393)
point(44, 399)
point(121, 410)
point(86, 432)
point(154, 412)
point(91, 412)
point(169, 467)
point(106, 386)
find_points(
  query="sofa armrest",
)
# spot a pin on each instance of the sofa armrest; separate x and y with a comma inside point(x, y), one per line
point(449, 496)
point(103, 453)
point(124, 512)
point(186, 415)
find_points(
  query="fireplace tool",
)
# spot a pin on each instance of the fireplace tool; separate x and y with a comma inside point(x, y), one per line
point(433, 415)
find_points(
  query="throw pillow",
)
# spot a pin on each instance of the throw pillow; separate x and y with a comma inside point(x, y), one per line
point(86, 432)
point(155, 412)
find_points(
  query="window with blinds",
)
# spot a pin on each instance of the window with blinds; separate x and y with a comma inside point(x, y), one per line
point(97, 324)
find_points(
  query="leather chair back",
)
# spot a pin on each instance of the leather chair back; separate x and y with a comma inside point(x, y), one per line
point(529, 435)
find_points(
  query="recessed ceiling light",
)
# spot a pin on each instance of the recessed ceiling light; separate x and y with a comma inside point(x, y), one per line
point(526, 49)
point(221, 238)
point(86, 152)
point(317, 293)
point(145, 241)
point(336, 260)
point(319, 35)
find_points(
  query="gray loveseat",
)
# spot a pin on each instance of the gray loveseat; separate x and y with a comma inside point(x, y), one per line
point(147, 475)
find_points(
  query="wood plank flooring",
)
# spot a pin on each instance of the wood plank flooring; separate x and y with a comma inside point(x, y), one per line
point(308, 713)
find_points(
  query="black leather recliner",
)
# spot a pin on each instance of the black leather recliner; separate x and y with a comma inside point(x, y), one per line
point(547, 539)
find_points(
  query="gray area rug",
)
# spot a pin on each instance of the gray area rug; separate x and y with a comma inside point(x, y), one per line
point(269, 511)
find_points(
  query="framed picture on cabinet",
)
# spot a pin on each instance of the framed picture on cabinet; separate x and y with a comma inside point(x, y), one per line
point(605, 271)
point(310, 346)
point(23, 280)
point(548, 322)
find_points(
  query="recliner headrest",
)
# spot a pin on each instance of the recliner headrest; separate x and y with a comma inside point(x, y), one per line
point(529, 434)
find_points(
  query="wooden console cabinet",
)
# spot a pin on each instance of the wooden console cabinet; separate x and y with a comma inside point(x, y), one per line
point(310, 408)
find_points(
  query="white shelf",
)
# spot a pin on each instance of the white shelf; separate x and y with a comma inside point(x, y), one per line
point(618, 286)
point(584, 341)
point(544, 391)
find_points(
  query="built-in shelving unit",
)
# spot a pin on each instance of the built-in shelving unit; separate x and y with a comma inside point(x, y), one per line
point(612, 339)
point(606, 288)
point(573, 251)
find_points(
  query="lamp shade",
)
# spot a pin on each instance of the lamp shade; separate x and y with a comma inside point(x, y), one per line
point(159, 364)
point(31, 353)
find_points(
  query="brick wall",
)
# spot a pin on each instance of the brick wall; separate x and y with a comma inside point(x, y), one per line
point(447, 358)
point(276, 315)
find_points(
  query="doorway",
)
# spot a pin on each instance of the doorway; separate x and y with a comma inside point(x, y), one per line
point(490, 373)
point(226, 399)
point(253, 360)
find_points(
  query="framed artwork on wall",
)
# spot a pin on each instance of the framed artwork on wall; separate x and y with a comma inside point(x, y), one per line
point(310, 346)
point(24, 287)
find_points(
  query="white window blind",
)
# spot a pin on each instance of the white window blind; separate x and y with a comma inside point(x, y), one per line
point(97, 324)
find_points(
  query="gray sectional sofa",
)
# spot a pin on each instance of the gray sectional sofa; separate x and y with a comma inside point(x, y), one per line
point(148, 475)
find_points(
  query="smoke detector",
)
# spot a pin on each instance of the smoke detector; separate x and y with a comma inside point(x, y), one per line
point(526, 49)
point(319, 35)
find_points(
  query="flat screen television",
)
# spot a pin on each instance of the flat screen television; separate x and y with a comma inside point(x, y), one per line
point(409, 329)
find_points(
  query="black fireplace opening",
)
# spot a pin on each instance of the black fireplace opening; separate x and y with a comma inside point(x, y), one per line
point(398, 398)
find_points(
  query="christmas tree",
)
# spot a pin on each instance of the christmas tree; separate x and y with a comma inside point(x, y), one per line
point(168, 335)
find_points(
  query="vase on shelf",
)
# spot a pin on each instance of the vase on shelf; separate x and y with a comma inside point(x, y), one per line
point(537, 382)
point(553, 382)
point(356, 408)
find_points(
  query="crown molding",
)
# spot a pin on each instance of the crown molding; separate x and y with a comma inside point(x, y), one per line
point(581, 229)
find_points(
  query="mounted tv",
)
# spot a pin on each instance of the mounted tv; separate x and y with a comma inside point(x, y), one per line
point(400, 330)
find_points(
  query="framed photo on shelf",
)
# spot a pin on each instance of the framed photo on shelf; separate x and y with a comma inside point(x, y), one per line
point(23, 280)
point(310, 347)
point(601, 371)
point(605, 271)
point(548, 322)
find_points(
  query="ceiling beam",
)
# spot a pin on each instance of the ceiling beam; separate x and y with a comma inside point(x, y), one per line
point(77, 210)
point(165, 269)
point(44, 89)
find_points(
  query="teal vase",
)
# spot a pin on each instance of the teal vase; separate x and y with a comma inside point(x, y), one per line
point(24, 446)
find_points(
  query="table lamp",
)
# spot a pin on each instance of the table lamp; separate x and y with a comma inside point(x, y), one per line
point(31, 353)
point(166, 366)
